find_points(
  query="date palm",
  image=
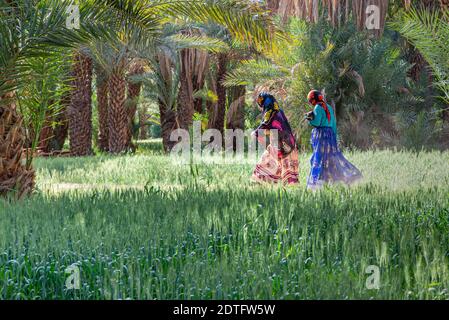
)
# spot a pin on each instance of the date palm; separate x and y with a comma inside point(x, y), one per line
point(218, 116)
point(113, 63)
point(28, 29)
point(143, 129)
point(61, 129)
point(136, 69)
point(234, 51)
point(102, 86)
point(31, 30)
point(241, 20)
point(337, 12)
point(428, 31)
point(80, 111)
point(163, 79)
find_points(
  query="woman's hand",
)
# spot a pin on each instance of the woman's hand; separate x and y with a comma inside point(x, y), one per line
point(309, 115)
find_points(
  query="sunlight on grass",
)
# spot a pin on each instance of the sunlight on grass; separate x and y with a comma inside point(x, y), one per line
point(394, 171)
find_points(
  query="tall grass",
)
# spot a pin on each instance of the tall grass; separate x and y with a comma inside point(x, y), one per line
point(139, 227)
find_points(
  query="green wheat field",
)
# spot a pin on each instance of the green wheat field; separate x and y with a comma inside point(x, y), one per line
point(141, 227)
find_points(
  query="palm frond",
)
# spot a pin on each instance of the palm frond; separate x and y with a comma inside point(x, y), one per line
point(180, 41)
point(31, 28)
point(428, 31)
point(245, 21)
point(254, 72)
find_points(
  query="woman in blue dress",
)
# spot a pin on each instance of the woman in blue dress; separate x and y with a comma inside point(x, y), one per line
point(328, 165)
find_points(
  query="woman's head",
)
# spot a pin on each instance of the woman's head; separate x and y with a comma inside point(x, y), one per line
point(315, 97)
point(266, 101)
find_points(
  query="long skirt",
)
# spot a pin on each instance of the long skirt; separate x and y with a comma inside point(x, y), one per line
point(328, 165)
point(274, 168)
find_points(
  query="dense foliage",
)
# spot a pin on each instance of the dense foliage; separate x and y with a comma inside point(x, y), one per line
point(364, 77)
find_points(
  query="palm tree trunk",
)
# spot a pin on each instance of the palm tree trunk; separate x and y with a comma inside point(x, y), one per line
point(418, 62)
point(185, 107)
point(134, 89)
point(359, 11)
point(16, 174)
point(194, 65)
point(338, 11)
point(168, 124)
point(103, 104)
point(273, 5)
point(46, 134)
point(235, 119)
point(80, 113)
point(201, 63)
point(61, 130)
point(220, 110)
point(117, 115)
point(143, 129)
point(167, 108)
point(211, 106)
point(198, 105)
point(415, 57)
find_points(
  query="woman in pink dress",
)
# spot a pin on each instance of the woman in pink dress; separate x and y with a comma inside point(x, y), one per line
point(279, 162)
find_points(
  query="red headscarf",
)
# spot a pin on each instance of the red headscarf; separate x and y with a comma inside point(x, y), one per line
point(316, 97)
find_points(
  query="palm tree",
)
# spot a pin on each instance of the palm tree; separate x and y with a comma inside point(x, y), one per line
point(240, 20)
point(133, 22)
point(420, 66)
point(217, 112)
point(33, 27)
point(162, 83)
point(46, 133)
point(166, 80)
point(102, 85)
point(151, 15)
point(80, 111)
point(117, 115)
point(235, 117)
point(143, 129)
point(61, 129)
point(18, 34)
point(29, 29)
point(185, 101)
point(416, 26)
point(175, 101)
point(134, 85)
point(113, 60)
point(194, 67)
point(338, 12)
point(15, 175)
point(217, 118)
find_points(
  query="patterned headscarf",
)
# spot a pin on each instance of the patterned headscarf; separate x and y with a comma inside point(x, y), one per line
point(269, 105)
point(318, 98)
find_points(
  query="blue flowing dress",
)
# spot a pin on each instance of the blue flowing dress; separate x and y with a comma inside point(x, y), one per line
point(328, 165)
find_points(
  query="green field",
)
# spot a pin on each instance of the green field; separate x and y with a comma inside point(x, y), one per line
point(141, 227)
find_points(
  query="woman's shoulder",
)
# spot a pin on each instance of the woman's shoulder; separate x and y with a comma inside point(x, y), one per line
point(318, 108)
